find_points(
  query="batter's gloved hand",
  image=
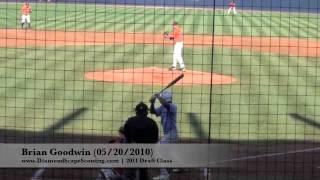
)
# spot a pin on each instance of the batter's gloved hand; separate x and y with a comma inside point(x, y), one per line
point(152, 99)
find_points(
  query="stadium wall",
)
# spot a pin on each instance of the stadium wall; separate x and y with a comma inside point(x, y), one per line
point(268, 5)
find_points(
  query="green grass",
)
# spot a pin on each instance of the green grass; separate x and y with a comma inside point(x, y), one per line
point(139, 19)
point(38, 86)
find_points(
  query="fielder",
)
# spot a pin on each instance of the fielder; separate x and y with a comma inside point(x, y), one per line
point(177, 37)
point(232, 7)
point(25, 18)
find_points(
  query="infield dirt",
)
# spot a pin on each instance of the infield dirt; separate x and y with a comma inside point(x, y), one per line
point(276, 45)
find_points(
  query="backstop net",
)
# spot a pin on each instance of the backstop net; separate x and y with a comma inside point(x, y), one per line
point(74, 71)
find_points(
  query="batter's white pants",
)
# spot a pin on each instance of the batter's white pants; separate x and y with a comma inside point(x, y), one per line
point(177, 55)
point(232, 9)
point(25, 18)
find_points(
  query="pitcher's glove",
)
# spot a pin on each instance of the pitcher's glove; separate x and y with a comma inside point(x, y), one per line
point(166, 35)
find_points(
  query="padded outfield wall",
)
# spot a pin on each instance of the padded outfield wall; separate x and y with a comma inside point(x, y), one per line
point(267, 5)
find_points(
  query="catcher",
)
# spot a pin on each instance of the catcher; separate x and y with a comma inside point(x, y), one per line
point(177, 37)
point(26, 11)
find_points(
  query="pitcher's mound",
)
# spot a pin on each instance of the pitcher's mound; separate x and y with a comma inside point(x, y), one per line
point(158, 76)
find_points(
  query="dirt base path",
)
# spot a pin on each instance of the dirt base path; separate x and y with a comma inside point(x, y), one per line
point(276, 45)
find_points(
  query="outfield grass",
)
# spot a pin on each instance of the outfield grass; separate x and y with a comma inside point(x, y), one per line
point(38, 86)
point(139, 19)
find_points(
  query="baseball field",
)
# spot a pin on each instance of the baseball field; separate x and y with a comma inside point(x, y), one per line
point(253, 76)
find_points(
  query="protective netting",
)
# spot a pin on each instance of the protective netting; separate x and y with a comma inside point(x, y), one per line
point(73, 72)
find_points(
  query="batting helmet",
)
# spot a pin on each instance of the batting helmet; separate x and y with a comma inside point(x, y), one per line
point(166, 95)
point(141, 109)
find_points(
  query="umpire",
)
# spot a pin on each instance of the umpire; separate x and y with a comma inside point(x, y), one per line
point(141, 128)
point(138, 129)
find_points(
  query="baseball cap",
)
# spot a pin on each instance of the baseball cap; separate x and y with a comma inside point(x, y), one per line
point(141, 109)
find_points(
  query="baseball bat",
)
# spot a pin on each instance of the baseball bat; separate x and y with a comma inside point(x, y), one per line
point(173, 82)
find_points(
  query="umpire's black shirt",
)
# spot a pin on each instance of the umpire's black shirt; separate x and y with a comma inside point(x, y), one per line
point(141, 129)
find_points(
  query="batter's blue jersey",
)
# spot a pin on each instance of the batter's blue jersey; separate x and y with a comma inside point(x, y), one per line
point(168, 117)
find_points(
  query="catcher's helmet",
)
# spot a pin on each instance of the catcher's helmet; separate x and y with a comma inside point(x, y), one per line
point(141, 109)
point(166, 95)
point(121, 130)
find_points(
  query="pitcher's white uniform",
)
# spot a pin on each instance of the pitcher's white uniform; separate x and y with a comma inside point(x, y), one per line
point(177, 37)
